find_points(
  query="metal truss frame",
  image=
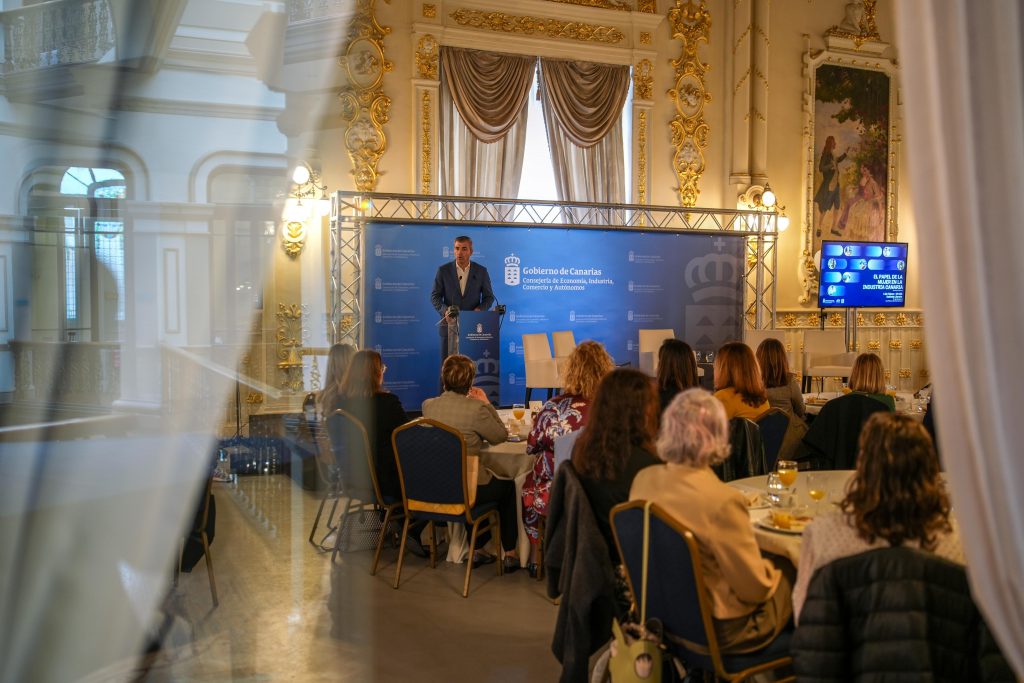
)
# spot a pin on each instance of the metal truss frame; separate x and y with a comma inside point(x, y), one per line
point(350, 211)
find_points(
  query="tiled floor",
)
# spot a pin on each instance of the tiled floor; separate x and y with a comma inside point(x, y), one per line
point(286, 615)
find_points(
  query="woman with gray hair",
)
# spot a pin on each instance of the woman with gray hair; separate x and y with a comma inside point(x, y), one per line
point(750, 594)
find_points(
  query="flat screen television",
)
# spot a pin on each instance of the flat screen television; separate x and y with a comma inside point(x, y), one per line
point(862, 274)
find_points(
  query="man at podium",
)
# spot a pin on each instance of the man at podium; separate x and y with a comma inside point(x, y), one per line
point(460, 284)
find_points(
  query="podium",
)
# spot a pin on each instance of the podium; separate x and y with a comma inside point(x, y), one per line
point(475, 334)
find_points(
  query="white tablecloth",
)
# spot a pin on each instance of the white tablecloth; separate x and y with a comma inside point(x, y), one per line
point(905, 403)
point(788, 545)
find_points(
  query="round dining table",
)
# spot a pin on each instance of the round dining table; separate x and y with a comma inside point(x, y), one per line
point(507, 460)
point(787, 543)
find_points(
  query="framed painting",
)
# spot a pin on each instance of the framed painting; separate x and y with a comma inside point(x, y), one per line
point(850, 154)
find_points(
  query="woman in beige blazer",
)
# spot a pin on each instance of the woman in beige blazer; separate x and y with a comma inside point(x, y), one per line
point(750, 594)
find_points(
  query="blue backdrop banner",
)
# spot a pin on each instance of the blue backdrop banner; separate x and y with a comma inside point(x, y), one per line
point(604, 285)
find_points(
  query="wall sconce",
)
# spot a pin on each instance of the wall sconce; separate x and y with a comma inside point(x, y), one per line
point(300, 205)
point(308, 185)
point(758, 198)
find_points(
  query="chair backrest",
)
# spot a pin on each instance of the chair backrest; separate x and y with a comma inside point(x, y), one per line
point(746, 457)
point(564, 342)
point(536, 347)
point(773, 425)
point(676, 593)
point(753, 338)
point(564, 445)
point(822, 343)
point(650, 340)
point(350, 444)
point(431, 459)
point(833, 435)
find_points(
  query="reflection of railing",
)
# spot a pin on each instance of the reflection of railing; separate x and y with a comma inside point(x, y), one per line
point(56, 33)
point(304, 10)
point(67, 373)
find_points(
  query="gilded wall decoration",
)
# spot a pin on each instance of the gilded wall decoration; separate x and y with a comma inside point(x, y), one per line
point(902, 320)
point(425, 144)
point(294, 238)
point(290, 336)
point(789, 320)
point(643, 80)
point(426, 57)
point(895, 344)
point(646, 6)
point(620, 5)
point(691, 25)
point(924, 374)
point(645, 38)
point(836, 319)
point(364, 106)
point(553, 28)
point(916, 344)
point(880, 319)
point(905, 373)
point(641, 158)
point(874, 345)
point(429, 10)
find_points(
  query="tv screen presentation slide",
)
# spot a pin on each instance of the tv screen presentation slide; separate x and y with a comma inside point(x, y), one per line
point(862, 274)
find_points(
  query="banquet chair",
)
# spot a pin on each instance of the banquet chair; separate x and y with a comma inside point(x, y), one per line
point(825, 355)
point(746, 451)
point(753, 338)
point(650, 344)
point(678, 596)
point(832, 437)
point(439, 485)
point(894, 613)
point(199, 531)
point(564, 343)
point(329, 475)
point(773, 425)
point(541, 367)
point(358, 480)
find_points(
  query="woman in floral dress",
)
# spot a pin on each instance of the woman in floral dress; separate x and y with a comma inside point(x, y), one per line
point(564, 413)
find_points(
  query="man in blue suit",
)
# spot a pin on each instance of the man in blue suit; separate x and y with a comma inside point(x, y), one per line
point(462, 284)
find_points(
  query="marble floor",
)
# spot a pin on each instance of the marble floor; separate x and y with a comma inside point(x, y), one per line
point(286, 614)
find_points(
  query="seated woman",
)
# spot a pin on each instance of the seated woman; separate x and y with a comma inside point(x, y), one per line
point(782, 387)
point(466, 408)
point(362, 394)
point(750, 594)
point(338, 359)
point(895, 498)
point(738, 382)
point(868, 378)
point(565, 413)
point(677, 370)
point(617, 443)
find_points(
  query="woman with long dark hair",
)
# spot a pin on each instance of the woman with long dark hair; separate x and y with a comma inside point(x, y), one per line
point(617, 443)
point(677, 370)
point(738, 383)
point(896, 498)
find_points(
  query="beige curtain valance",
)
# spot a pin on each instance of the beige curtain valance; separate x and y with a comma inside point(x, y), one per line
point(586, 98)
point(489, 89)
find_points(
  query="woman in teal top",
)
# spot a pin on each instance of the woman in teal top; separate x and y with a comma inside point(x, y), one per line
point(868, 378)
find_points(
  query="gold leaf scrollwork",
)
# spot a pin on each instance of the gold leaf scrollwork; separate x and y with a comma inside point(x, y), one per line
point(874, 344)
point(880, 319)
point(789, 320)
point(365, 108)
point(691, 24)
point(905, 373)
point(645, 38)
point(294, 239)
point(290, 335)
point(643, 79)
point(813, 319)
point(429, 10)
point(859, 25)
point(902, 320)
point(620, 5)
point(426, 57)
point(860, 320)
point(425, 171)
point(895, 344)
point(646, 6)
point(916, 344)
point(553, 28)
point(641, 157)
point(835, 319)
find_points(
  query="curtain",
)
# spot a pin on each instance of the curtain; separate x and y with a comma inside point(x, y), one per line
point(483, 122)
point(582, 105)
point(963, 82)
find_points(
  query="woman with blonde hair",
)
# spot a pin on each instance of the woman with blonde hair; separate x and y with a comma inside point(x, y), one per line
point(338, 359)
point(750, 594)
point(738, 383)
point(868, 378)
point(896, 498)
point(565, 413)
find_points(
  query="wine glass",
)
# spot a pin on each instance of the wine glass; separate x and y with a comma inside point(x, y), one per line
point(518, 410)
point(787, 472)
point(816, 488)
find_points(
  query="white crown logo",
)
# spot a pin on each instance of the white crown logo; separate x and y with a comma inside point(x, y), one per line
point(511, 378)
point(572, 316)
point(377, 251)
point(479, 328)
point(714, 276)
point(377, 283)
point(512, 270)
point(512, 347)
point(377, 317)
point(446, 251)
point(512, 316)
point(629, 316)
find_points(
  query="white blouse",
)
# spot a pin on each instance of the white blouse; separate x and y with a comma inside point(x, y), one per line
point(831, 537)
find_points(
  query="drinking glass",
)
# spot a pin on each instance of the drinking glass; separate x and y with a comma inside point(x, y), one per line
point(787, 472)
point(816, 488)
point(775, 490)
point(518, 410)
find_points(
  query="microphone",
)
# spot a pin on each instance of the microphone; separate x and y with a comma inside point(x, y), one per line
point(452, 312)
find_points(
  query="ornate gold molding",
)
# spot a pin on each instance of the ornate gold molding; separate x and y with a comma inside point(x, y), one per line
point(835, 319)
point(426, 152)
point(905, 373)
point(426, 57)
point(895, 344)
point(691, 24)
point(880, 319)
point(643, 80)
point(553, 28)
point(364, 106)
point(646, 6)
point(290, 334)
point(620, 5)
point(294, 239)
point(429, 10)
point(874, 345)
point(641, 158)
point(645, 38)
point(916, 344)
